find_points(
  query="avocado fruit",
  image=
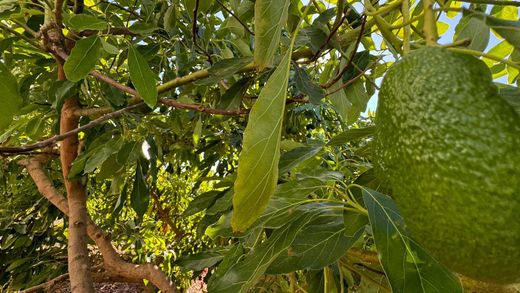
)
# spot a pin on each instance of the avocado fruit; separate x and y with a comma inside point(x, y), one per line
point(449, 147)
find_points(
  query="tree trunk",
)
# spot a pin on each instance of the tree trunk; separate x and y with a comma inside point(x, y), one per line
point(78, 260)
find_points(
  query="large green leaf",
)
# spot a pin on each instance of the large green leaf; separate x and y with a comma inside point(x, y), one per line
point(10, 97)
point(319, 243)
point(83, 58)
point(142, 77)
point(240, 276)
point(258, 161)
point(270, 18)
point(408, 267)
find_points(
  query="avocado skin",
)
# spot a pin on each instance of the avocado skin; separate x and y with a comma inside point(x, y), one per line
point(449, 146)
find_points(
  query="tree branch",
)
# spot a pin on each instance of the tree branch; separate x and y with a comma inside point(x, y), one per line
point(111, 259)
point(494, 2)
point(60, 137)
point(200, 108)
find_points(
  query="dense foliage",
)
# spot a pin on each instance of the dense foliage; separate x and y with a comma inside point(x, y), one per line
point(232, 135)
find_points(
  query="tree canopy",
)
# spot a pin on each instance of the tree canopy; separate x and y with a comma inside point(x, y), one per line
point(232, 135)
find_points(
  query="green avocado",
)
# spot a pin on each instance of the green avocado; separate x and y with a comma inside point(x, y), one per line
point(449, 147)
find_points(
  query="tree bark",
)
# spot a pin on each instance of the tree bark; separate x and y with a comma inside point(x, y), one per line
point(78, 260)
point(113, 263)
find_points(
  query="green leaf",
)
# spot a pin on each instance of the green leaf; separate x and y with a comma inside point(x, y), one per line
point(128, 152)
point(109, 48)
point(83, 58)
point(508, 29)
point(120, 203)
point(197, 131)
point(231, 258)
point(296, 156)
point(224, 69)
point(511, 94)
point(65, 90)
point(99, 157)
point(81, 22)
point(19, 262)
point(202, 202)
point(11, 99)
point(475, 30)
point(270, 18)
point(258, 161)
point(408, 267)
point(358, 96)
point(308, 87)
point(319, 243)
point(142, 77)
point(222, 204)
point(232, 98)
point(199, 261)
point(350, 135)
point(78, 165)
point(240, 276)
point(340, 101)
point(140, 196)
point(170, 19)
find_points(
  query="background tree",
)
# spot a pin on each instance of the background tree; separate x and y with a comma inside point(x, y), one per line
point(230, 135)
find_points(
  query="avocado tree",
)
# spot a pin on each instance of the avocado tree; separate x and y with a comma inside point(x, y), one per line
point(146, 141)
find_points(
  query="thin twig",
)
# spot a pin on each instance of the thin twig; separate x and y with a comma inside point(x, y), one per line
point(236, 17)
point(362, 73)
point(332, 33)
point(352, 55)
point(25, 27)
point(195, 30)
point(202, 109)
point(27, 39)
point(56, 138)
point(120, 7)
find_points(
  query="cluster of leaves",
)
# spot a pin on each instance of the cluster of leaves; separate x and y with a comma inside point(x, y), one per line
point(274, 199)
point(33, 243)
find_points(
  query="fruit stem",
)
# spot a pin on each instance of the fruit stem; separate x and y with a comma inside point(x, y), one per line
point(430, 25)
